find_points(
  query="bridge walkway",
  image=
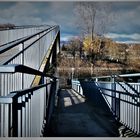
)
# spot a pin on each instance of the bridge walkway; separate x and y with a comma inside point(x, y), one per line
point(77, 116)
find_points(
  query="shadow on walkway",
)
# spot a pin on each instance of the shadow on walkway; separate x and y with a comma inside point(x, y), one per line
point(76, 116)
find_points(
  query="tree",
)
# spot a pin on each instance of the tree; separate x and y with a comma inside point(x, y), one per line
point(93, 17)
point(8, 25)
point(92, 47)
point(86, 12)
point(75, 45)
point(64, 48)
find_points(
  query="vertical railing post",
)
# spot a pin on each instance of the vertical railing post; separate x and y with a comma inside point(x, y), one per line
point(118, 107)
point(138, 116)
point(96, 79)
point(51, 102)
point(23, 117)
point(55, 49)
point(19, 116)
point(113, 87)
point(54, 55)
point(115, 99)
point(118, 104)
point(10, 120)
point(6, 112)
point(58, 44)
point(22, 64)
point(15, 117)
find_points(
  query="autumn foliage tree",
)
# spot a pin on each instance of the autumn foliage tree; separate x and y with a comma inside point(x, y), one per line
point(93, 18)
point(92, 47)
point(73, 46)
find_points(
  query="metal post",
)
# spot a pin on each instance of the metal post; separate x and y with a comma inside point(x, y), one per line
point(6, 124)
point(72, 73)
point(15, 117)
point(23, 117)
point(113, 95)
point(96, 79)
point(51, 101)
point(22, 64)
point(19, 118)
point(54, 52)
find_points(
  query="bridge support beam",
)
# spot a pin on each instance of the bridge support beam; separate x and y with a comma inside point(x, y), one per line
point(115, 99)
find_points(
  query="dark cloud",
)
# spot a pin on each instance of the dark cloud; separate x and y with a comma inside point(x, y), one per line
point(6, 5)
point(125, 28)
point(124, 6)
point(126, 19)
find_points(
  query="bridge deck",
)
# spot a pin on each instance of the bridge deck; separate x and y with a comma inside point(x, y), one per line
point(76, 116)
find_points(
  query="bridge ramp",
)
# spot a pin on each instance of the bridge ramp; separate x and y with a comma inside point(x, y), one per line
point(77, 116)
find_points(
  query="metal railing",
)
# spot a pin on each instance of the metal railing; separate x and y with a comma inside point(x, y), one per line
point(9, 35)
point(123, 98)
point(26, 95)
point(29, 51)
point(76, 86)
point(25, 112)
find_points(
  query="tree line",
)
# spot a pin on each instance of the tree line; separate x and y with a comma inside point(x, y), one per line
point(93, 20)
point(7, 25)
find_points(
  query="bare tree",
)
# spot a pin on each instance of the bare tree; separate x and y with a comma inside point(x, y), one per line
point(75, 45)
point(86, 12)
point(93, 17)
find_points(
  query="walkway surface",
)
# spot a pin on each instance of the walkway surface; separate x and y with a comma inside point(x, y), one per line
point(77, 117)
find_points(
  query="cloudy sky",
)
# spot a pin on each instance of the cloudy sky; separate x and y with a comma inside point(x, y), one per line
point(125, 28)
